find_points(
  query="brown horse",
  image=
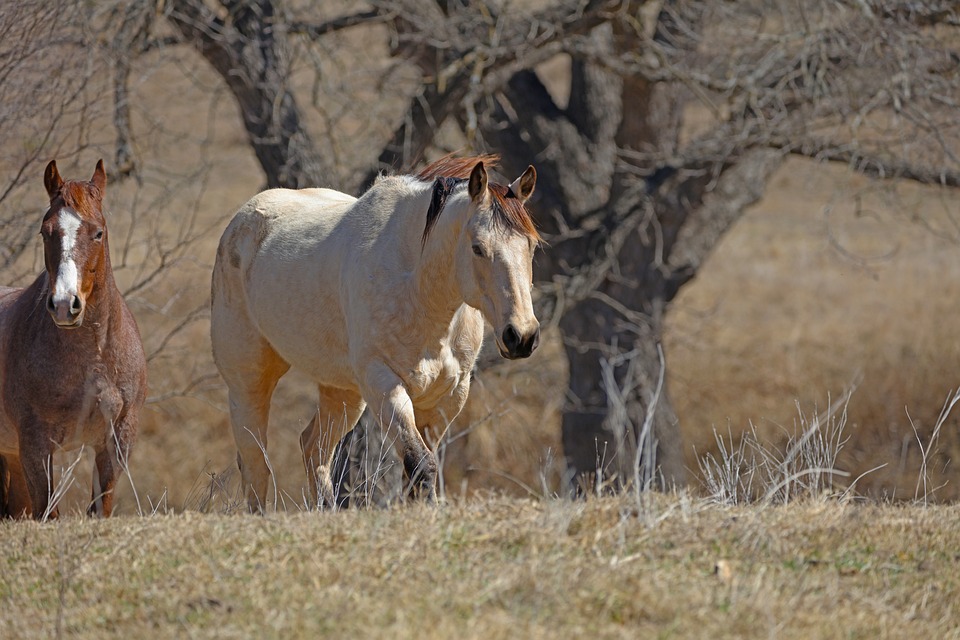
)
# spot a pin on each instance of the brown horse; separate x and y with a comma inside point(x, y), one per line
point(73, 367)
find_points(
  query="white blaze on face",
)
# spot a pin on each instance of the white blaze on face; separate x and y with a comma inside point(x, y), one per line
point(68, 281)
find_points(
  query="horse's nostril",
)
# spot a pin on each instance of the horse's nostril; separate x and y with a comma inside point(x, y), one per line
point(536, 340)
point(50, 303)
point(511, 339)
point(76, 306)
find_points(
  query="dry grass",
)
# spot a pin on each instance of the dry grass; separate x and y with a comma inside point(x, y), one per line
point(493, 568)
point(830, 280)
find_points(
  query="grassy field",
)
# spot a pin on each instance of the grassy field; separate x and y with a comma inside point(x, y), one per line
point(666, 567)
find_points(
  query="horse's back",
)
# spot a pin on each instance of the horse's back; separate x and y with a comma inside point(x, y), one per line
point(277, 278)
point(324, 194)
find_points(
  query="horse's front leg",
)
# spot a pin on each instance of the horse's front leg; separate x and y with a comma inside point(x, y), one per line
point(104, 481)
point(398, 421)
point(113, 453)
point(36, 460)
point(111, 459)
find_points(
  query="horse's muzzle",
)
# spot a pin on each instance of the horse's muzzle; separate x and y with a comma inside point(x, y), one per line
point(66, 314)
point(513, 345)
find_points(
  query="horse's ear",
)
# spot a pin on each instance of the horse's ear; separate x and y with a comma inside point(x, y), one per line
point(99, 178)
point(52, 180)
point(523, 186)
point(478, 182)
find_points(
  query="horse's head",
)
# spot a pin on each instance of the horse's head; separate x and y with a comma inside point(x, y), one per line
point(74, 243)
point(495, 260)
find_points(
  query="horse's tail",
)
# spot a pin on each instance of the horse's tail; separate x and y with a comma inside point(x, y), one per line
point(234, 253)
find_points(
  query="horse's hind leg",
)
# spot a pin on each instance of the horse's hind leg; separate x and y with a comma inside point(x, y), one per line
point(16, 496)
point(251, 368)
point(250, 389)
point(338, 411)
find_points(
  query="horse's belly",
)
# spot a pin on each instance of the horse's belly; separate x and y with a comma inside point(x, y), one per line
point(319, 354)
point(325, 369)
point(92, 432)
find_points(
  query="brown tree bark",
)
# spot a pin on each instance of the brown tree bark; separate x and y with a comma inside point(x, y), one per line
point(246, 45)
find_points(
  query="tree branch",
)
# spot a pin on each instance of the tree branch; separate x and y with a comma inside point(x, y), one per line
point(869, 164)
point(314, 30)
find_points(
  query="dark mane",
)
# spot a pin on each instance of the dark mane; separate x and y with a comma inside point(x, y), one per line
point(448, 172)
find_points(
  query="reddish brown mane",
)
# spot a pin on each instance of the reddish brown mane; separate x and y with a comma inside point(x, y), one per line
point(82, 197)
point(451, 167)
point(448, 171)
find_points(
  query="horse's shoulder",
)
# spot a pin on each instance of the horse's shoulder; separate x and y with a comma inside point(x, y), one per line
point(467, 332)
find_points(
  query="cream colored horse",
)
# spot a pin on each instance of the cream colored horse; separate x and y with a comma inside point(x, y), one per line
point(380, 300)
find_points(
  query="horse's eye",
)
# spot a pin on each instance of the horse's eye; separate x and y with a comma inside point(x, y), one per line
point(477, 250)
point(98, 235)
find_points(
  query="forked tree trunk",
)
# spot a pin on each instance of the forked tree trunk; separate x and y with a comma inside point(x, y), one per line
point(247, 49)
point(621, 245)
point(621, 427)
point(621, 248)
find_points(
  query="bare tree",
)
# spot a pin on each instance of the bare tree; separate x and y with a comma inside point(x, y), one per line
point(65, 76)
point(633, 197)
point(675, 114)
point(246, 42)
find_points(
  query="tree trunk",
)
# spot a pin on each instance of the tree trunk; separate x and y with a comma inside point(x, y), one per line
point(607, 438)
point(253, 59)
point(623, 237)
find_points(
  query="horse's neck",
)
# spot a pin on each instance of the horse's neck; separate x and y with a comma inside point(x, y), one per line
point(428, 289)
point(434, 274)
